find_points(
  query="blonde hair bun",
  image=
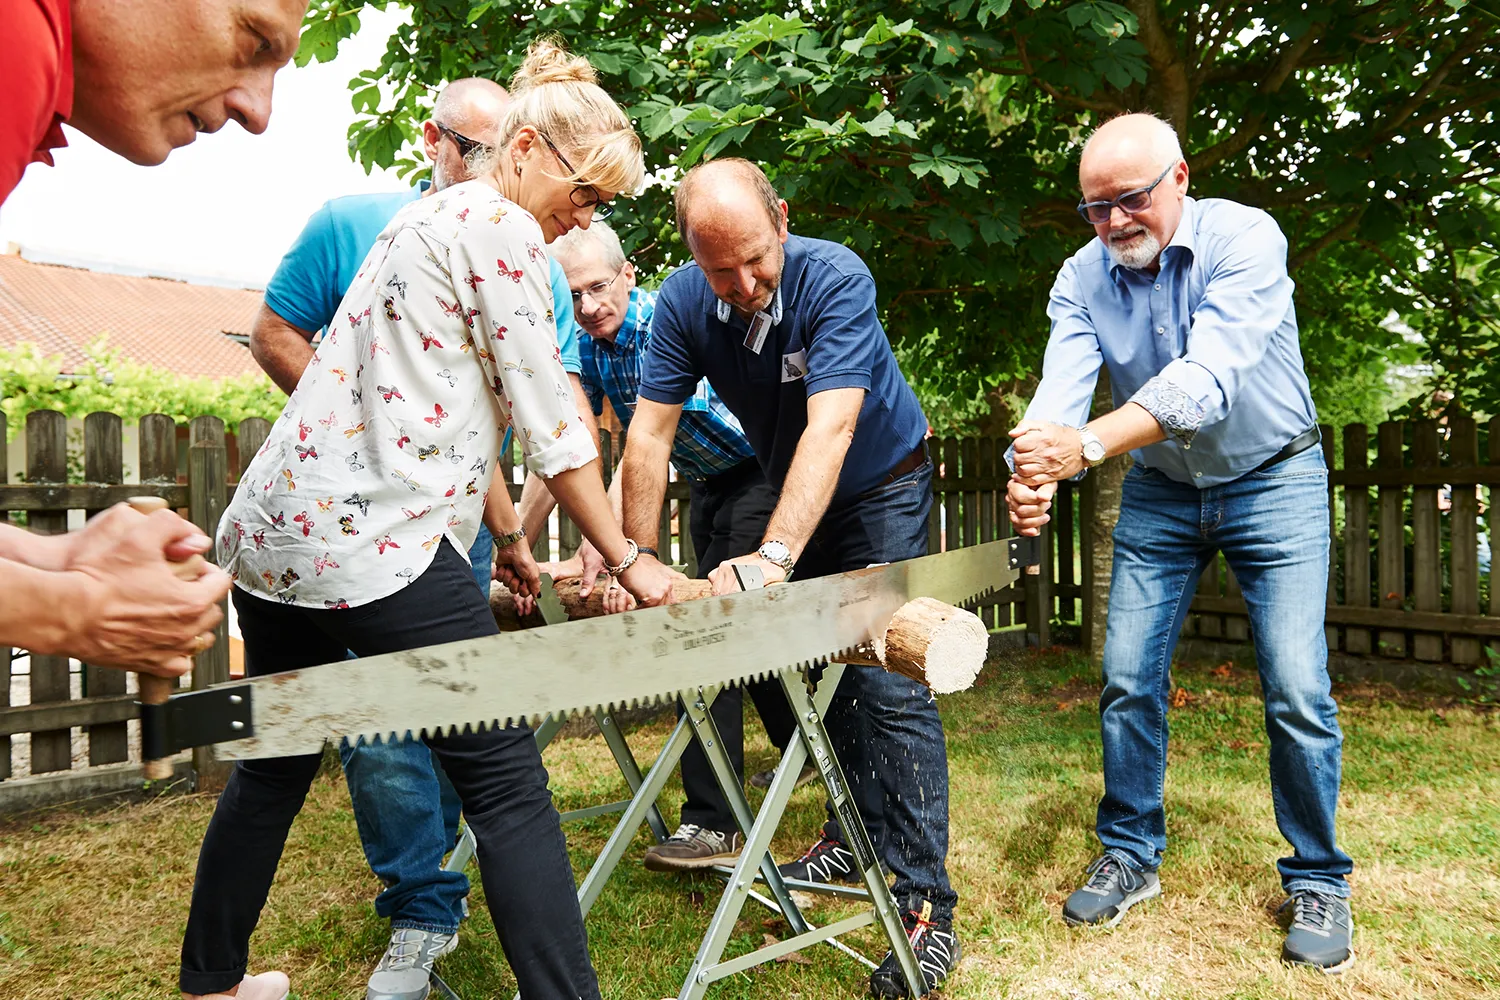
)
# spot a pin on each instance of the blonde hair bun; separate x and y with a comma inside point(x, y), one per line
point(547, 61)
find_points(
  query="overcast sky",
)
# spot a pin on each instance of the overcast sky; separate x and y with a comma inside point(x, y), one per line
point(224, 208)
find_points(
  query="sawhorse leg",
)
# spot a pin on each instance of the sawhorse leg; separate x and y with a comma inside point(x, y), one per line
point(809, 710)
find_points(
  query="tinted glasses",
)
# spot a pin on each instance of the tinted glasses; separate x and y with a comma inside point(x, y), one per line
point(464, 143)
point(584, 195)
point(1097, 213)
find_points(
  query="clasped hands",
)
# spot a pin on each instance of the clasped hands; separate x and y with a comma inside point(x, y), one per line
point(1045, 454)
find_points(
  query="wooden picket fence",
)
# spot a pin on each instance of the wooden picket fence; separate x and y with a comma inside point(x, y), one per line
point(1404, 575)
point(76, 721)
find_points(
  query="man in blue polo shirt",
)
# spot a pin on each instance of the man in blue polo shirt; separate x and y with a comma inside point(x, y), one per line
point(730, 499)
point(406, 811)
point(784, 328)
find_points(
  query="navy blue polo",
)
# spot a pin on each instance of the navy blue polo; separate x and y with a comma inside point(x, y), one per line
point(828, 337)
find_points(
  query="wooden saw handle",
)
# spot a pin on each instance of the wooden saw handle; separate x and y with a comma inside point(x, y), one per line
point(156, 690)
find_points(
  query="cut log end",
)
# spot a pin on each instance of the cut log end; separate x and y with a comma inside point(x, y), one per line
point(937, 644)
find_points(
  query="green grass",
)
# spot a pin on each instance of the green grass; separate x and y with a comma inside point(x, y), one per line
point(92, 906)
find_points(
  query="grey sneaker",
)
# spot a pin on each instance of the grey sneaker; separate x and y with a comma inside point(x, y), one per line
point(1319, 933)
point(405, 970)
point(762, 779)
point(694, 846)
point(1113, 887)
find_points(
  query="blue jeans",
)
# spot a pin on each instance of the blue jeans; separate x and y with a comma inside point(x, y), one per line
point(1272, 527)
point(407, 814)
point(885, 727)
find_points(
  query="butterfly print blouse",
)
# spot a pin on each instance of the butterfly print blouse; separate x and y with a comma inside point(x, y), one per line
point(389, 443)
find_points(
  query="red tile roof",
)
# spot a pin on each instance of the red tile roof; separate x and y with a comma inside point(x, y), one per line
point(167, 324)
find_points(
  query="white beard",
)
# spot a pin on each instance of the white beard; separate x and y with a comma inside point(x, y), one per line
point(1139, 254)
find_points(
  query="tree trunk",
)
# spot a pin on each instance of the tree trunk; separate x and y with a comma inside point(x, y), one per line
point(1100, 510)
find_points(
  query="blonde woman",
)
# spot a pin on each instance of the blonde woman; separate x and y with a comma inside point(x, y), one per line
point(350, 528)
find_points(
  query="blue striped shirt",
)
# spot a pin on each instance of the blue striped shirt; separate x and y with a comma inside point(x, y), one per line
point(709, 438)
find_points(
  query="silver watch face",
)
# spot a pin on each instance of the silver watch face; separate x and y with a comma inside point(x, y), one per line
point(775, 552)
point(1093, 451)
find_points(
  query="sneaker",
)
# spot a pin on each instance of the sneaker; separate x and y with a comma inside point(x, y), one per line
point(694, 846)
point(937, 951)
point(762, 779)
point(1319, 931)
point(405, 970)
point(1113, 887)
point(266, 986)
point(826, 861)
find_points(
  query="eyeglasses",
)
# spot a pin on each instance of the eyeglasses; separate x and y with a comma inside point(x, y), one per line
point(464, 143)
point(1097, 213)
point(598, 289)
point(589, 197)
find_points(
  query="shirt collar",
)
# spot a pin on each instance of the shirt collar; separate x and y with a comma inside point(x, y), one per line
point(725, 310)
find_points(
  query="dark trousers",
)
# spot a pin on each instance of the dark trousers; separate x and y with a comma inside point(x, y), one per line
point(499, 776)
point(885, 727)
point(729, 518)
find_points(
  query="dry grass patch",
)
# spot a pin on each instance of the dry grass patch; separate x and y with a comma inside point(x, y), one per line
point(92, 906)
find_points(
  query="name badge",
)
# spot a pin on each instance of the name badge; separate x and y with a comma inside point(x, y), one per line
point(793, 366)
point(755, 336)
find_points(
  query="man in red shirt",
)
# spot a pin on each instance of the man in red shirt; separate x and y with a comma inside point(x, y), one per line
point(140, 77)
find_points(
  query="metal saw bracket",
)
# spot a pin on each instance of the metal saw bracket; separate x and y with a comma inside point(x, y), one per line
point(195, 719)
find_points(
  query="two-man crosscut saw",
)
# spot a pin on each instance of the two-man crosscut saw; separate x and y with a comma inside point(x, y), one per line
point(635, 658)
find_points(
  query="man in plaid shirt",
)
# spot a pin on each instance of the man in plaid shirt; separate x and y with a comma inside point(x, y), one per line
point(731, 503)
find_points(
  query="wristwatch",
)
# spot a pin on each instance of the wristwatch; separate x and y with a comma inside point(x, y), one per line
point(1093, 449)
point(778, 553)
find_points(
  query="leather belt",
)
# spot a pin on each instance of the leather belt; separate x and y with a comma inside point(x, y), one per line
point(1295, 446)
point(910, 463)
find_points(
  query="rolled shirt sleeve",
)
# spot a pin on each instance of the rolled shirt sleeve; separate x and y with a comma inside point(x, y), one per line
point(1246, 299)
point(305, 290)
point(516, 343)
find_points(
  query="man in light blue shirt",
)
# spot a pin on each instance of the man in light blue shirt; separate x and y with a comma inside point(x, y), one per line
point(1189, 305)
point(406, 810)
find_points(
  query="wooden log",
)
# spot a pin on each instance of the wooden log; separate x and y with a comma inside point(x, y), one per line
point(936, 644)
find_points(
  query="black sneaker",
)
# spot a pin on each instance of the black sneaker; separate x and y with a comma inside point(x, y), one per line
point(826, 861)
point(693, 847)
point(1319, 931)
point(937, 951)
point(1113, 887)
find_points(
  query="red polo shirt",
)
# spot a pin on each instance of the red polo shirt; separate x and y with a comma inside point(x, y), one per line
point(36, 79)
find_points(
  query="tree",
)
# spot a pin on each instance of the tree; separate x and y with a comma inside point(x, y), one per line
point(939, 139)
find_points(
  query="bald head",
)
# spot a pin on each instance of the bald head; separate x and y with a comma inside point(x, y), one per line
point(734, 224)
point(471, 108)
point(1128, 154)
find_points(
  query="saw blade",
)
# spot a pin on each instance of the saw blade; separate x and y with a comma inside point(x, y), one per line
point(626, 660)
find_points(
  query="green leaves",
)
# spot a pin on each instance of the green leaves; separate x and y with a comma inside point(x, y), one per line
point(326, 23)
point(950, 168)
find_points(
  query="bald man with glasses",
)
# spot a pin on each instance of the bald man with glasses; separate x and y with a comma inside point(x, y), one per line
point(406, 811)
point(1189, 304)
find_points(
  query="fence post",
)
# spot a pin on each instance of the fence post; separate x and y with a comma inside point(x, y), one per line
point(1357, 536)
point(1034, 584)
point(989, 615)
point(208, 476)
point(1330, 632)
point(1392, 551)
point(1463, 451)
point(103, 462)
point(47, 462)
point(1426, 553)
point(952, 525)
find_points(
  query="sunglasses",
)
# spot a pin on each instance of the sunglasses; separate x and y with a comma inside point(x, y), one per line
point(583, 195)
point(464, 143)
point(1096, 213)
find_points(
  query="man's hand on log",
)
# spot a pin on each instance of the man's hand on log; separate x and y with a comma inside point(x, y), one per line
point(517, 569)
point(649, 581)
point(134, 611)
point(1046, 452)
point(725, 582)
point(1029, 505)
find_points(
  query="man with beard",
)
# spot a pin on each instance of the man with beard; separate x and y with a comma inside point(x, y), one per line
point(785, 330)
point(1189, 305)
point(405, 808)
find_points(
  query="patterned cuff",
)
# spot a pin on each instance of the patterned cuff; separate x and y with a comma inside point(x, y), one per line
point(1179, 414)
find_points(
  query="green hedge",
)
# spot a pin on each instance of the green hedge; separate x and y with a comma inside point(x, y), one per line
point(108, 382)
